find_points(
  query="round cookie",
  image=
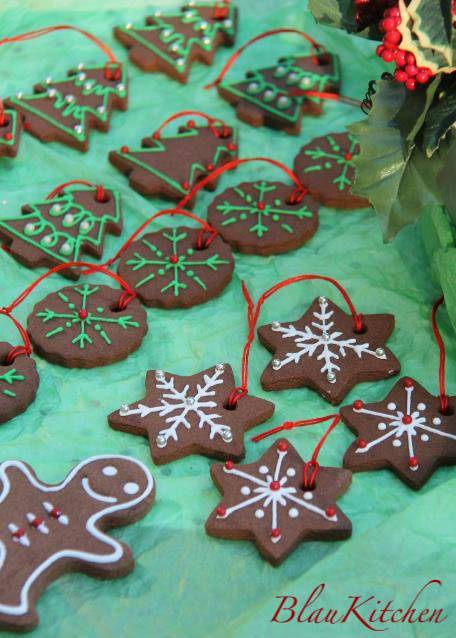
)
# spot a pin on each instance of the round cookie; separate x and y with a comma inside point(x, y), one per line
point(18, 383)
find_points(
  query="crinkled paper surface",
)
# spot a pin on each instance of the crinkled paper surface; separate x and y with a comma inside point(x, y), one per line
point(185, 583)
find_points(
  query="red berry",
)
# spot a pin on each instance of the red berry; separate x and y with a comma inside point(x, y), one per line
point(221, 511)
point(394, 12)
point(413, 461)
point(390, 45)
point(423, 75)
point(387, 56)
point(401, 76)
point(283, 446)
point(411, 70)
point(397, 21)
point(361, 443)
point(410, 58)
point(387, 24)
point(330, 511)
point(410, 84)
point(379, 50)
point(400, 57)
point(358, 404)
point(229, 465)
point(393, 36)
point(124, 149)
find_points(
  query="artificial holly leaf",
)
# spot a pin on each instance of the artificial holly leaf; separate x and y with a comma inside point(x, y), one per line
point(334, 13)
point(440, 119)
point(447, 182)
point(433, 26)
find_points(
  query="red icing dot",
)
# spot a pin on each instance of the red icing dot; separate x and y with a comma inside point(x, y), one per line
point(124, 149)
point(406, 420)
point(185, 186)
point(408, 383)
point(8, 136)
point(221, 511)
point(174, 259)
point(83, 314)
point(275, 533)
point(413, 461)
point(27, 126)
point(330, 511)
point(348, 156)
point(210, 167)
point(37, 521)
point(231, 146)
point(19, 532)
point(283, 447)
point(361, 443)
point(260, 205)
point(191, 124)
point(274, 485)
point(55, 512)
point(358, 404)
point(229, 465)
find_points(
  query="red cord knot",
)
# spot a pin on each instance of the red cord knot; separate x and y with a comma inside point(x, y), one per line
point(124, 149)
point(444, 403)
point(191, 124)
point(283, 446)
point(125, 299)
point(156, 135)
point(287, 425)
point(16, 352)
point(348, 156)
point(359, 323)
point(358, 404)
point(173, 259)
point(229, 465)
point(407, 419)
point(408, 383)
point(113, 71)
point(362, 443)
point(221, 511)
point(101, 194)
point(330, 512)
point(83, 314)
point(274, 486)
point(413, 462)
point(276, 533)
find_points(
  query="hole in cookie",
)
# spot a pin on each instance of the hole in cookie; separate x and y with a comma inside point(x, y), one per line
point(4, 360)
point(449, 411)
point(230, 406)
point(323, 59)
point(116, 308)
point(105, 197)
point(310, 488)
point(6, 122)
point(361, 331)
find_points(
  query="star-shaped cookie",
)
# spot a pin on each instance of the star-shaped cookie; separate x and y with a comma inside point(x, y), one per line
point(406, 432)
point(184, 415)
point(267, 503)
point(322, 351)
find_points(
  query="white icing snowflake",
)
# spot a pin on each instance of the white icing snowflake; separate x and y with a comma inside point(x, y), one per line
point(270, 491)
point(177, 405)
point(398, 424)
point(320, 340)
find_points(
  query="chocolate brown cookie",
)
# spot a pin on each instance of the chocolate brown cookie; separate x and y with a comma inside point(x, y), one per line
point(406, 432)
point(83, 327)
point(10, 133)
point(275, 96)
point(170, 166)
point(263, 218)
point(171, 42)
point(184, 415)
point(267, 503)
point(49, 530)
point(322, 351)
point(325, 165)
point(168, 269)
point(57, 230)
point(65, 110)
point(18, 383)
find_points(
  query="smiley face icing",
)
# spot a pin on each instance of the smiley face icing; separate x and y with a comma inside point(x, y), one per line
point(48, 530)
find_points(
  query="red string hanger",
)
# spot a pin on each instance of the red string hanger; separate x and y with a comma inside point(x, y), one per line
point(410, 431)
point(175, 267)
point(85, 325)
point(72, 219)
point(279, 96)
point(326, 349)
point(168, 166)
point(293, 500)
point(65, 110)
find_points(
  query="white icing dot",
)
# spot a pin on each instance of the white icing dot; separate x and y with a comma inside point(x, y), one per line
point(308, 496)
point(84, 225)
point(245, 490)
point(391, 406)
point(437, 421)
point(397, 443)
point(425, 437)
point(381, 426)
point(259, 513)
point(421, 406)
point(291, 471)
point(293, 512)
point(131, 488)
point(263, 469)
point(109, 470)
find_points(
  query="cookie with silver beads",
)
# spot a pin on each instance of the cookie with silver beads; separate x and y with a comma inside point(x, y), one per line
point(322, 351)
point(183, 415)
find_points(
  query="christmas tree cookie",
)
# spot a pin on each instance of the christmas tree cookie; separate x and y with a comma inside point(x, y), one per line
point(84, 327)
point(169, 166)
point(325, 165)
point(264, 218)
point(18, 383)
point(65, 110)
point(321, 350)
point(406, 432)
point(169, 269)
point(267, 503)
point(49, 530)
point(171, 42)
point(184, 415)
point(275, 96)
point(61, 229)
point(10, 133)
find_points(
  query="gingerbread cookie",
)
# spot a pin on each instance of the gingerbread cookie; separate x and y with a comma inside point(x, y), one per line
point(170, 166)
point(263, 218)
point(168, 269)
point(321, 351)
point(325, 165)
point(18, 383)
point(83, 327)
point(171, 42)
point(10, 133)
point(184, 415)
point(406, 432)
point(267, 503)
point(275, 96)
point(49, 530)
point(57, 230)
point(65, 110)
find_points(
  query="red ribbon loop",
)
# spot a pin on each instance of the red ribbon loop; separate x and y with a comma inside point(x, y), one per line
point(17, 350)
point(444, 399)
point(58, 189)
point(212, 122)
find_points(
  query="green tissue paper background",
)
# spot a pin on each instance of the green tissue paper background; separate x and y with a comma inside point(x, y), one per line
point(186, 583)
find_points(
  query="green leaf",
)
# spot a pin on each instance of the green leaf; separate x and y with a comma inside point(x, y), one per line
point(334, 13)
point(441, 117)
point(392, 172)
point(447, 180)
point(433, 28)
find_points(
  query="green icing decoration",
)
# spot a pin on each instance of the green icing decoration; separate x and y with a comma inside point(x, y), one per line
point(12, 115)
point(90, 325)
point(40, 228)
point(259, 215)
point(73, 109)
point(159, 264)
point(336, 156)
point(179, 46)
point(278, 100)
point(10, 377)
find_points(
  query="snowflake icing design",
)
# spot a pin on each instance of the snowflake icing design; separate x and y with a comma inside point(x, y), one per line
point(174, 265)
point(10, 378)
point(269, 490)
point(176, 406)
point(336, 157)
point(90, 322)
point(322, 341)
point(260, 211)
point(407, 424)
